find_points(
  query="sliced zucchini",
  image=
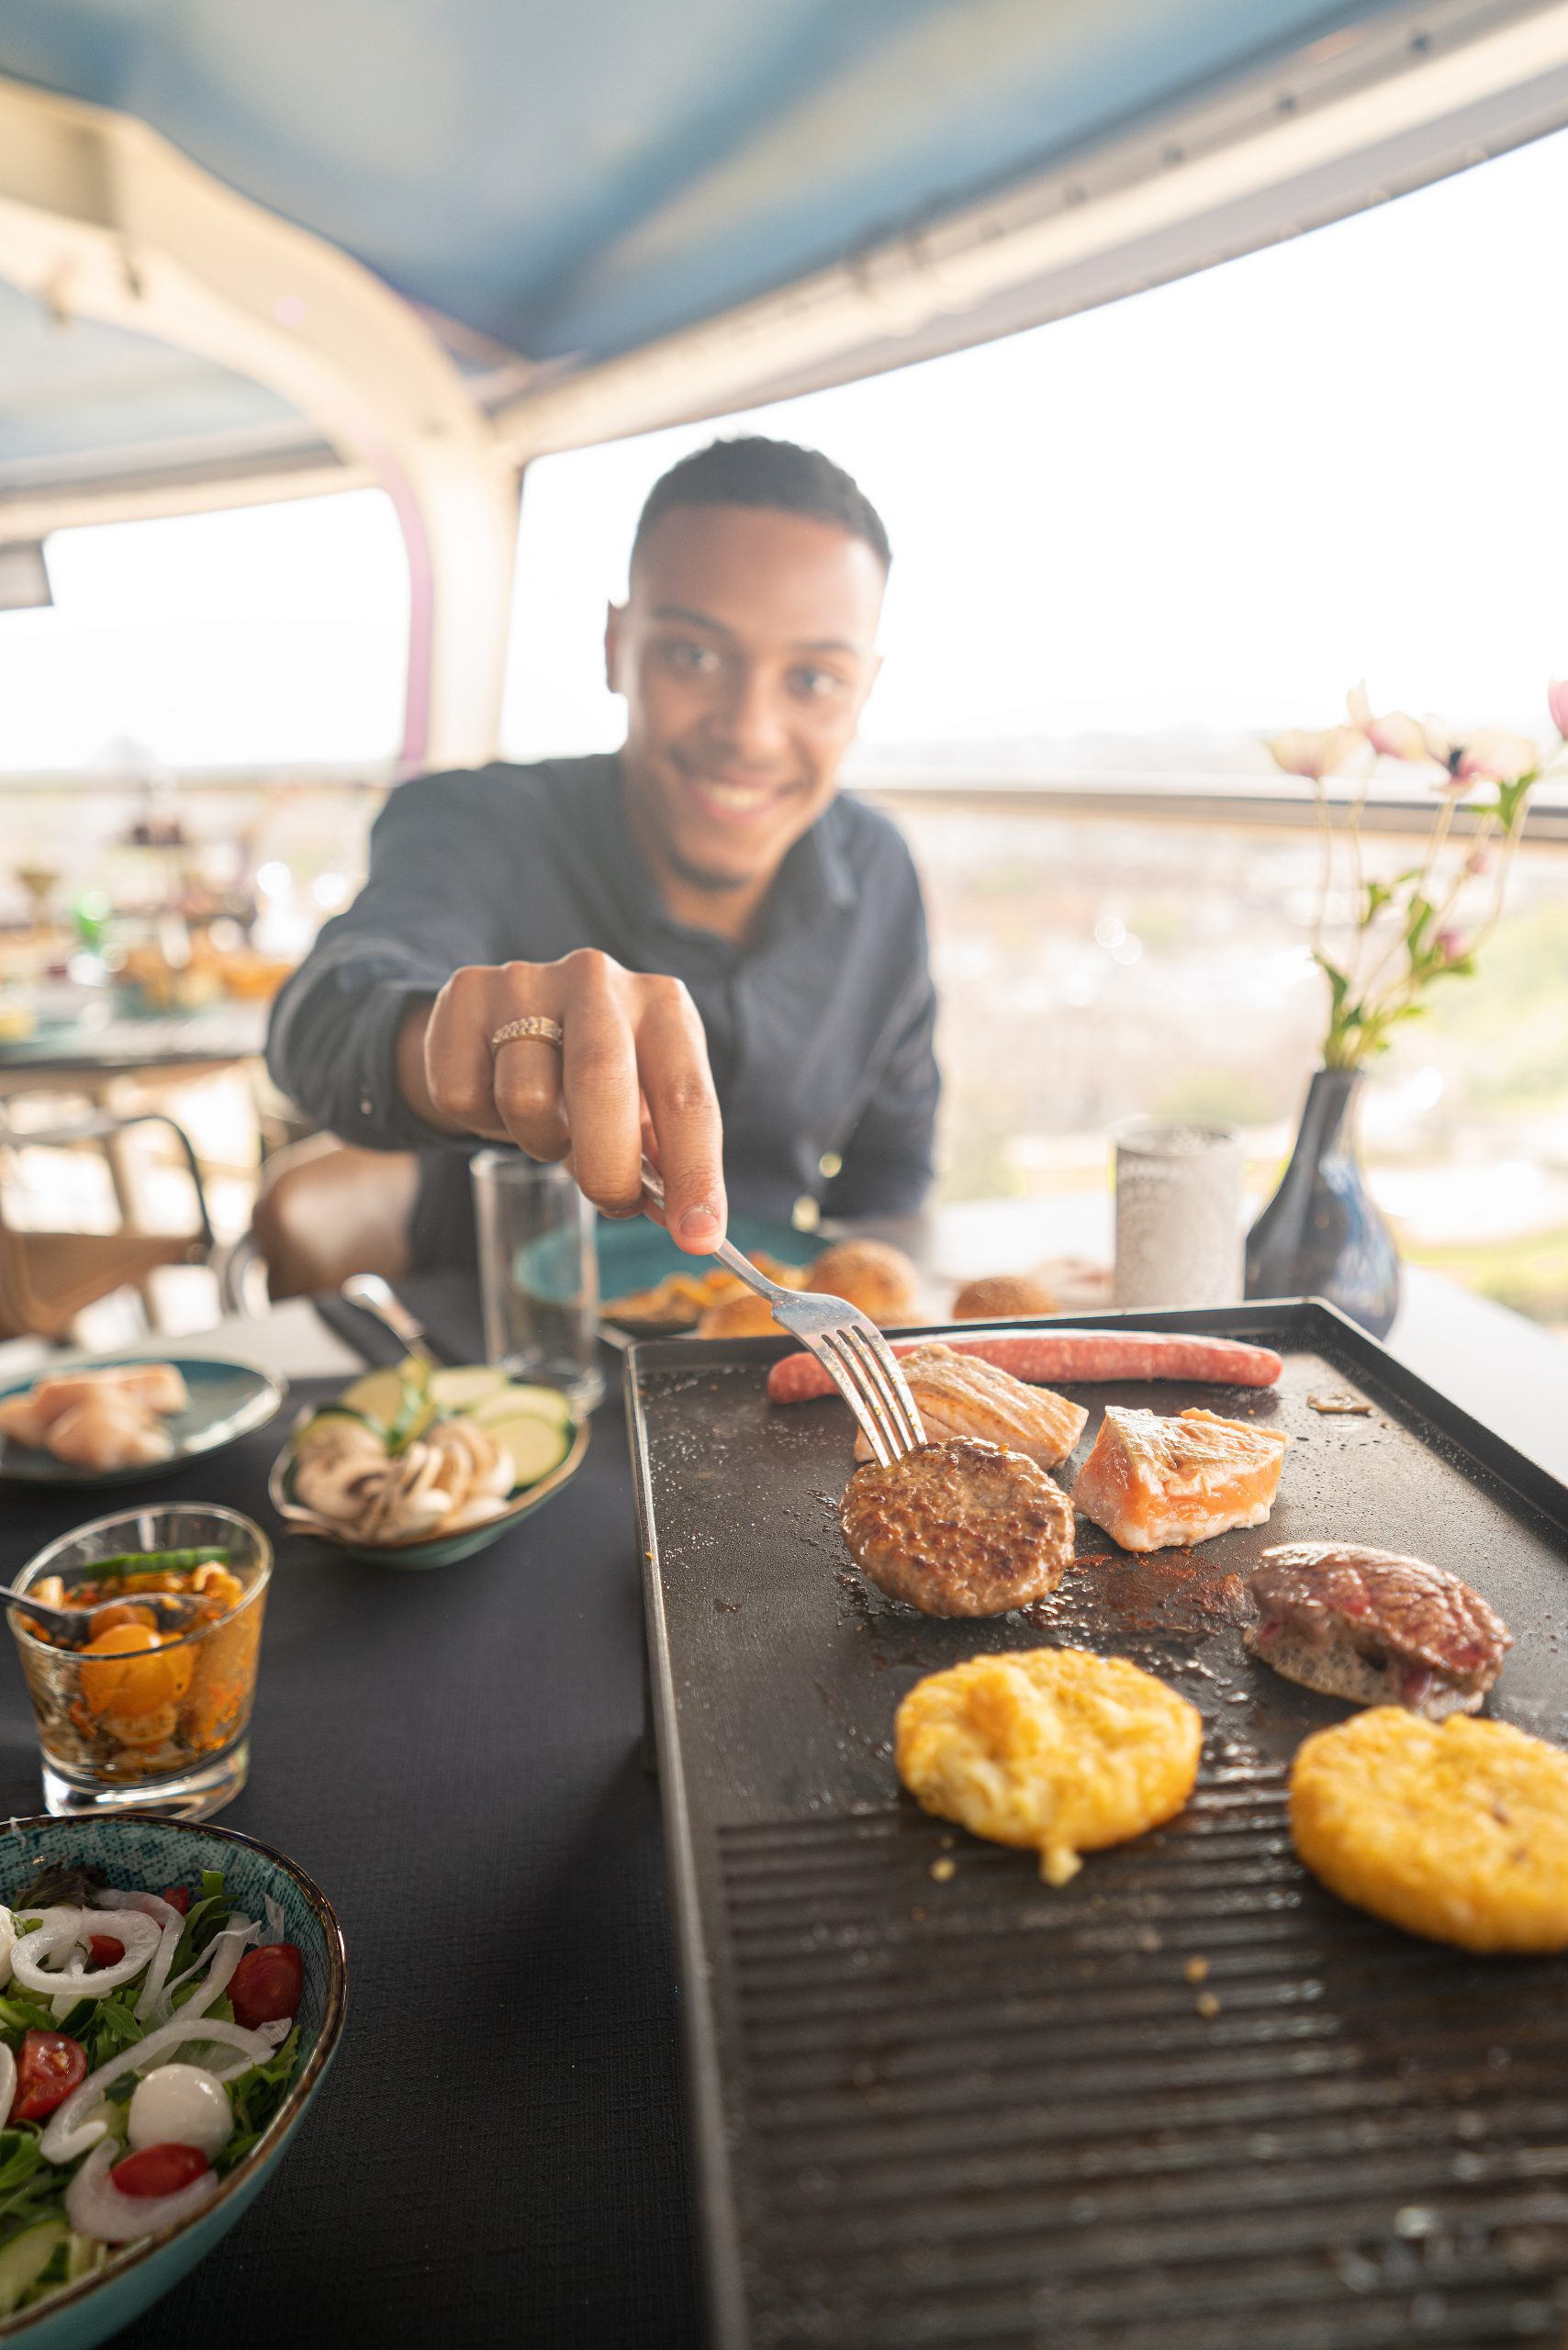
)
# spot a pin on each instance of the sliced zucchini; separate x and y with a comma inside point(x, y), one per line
point(378, 1397)
point(397, 1400)
point(544, 1403)
point(25, 2258)
point(536, 1446)
point(465, 1385)
point(330, 1416)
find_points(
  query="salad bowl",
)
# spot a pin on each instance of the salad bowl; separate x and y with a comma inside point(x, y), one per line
point(138, 1850)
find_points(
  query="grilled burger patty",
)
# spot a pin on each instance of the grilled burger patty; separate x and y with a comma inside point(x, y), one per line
point(961, 1528)
point(1376, 1627)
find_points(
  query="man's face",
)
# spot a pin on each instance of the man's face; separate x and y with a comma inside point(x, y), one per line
point(745, 650)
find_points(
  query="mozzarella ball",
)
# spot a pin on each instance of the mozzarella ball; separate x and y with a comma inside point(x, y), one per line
point(181, 2105)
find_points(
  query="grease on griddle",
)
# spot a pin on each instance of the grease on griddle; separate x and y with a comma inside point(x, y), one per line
point(1340, 1400)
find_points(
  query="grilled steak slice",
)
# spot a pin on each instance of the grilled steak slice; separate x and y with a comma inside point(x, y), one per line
point(1376, 1627)
point(961, 1528)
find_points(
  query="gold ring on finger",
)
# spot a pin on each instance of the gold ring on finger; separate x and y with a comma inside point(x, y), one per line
point(547, 1032)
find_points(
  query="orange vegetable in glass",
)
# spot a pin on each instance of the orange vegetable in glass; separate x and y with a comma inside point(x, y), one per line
point(137, 1674)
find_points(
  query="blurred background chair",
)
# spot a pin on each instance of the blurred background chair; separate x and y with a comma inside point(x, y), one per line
point(325, 1210)
point(48, 1276)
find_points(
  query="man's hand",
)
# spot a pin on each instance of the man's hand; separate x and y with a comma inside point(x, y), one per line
point(632, 1075)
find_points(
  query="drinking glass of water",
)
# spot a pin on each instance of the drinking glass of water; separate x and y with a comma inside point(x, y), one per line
point(538, 1275)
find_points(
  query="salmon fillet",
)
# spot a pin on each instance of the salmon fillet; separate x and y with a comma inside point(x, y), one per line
point(963, 1395)
point(1154, 1482)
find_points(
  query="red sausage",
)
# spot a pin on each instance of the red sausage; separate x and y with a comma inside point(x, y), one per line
point(1068, 1358)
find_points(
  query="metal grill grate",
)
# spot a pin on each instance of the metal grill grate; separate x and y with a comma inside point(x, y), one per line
point(1189, 2102)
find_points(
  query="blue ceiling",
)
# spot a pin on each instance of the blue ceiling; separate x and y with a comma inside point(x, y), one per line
point(569, 178)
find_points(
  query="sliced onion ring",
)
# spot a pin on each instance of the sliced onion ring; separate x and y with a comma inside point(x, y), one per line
point(214, 1955)
point(171, 1925)
point(7, 1938)
point(70, 2131)
point(61, 1930)
point(7, 2083)
point(95, 2206)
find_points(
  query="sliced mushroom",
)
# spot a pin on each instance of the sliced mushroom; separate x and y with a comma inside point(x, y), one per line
point(413, 1498)
point(477, 1468)
point(341, 1472)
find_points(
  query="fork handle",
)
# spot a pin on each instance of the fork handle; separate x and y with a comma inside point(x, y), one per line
point(652, 1184)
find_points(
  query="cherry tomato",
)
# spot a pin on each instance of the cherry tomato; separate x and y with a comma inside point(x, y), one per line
point(115, 1614)
point(178, 1896)
point(105, 1950)
point(128, 1669)
point(158, 2170)
point(49, 2066)
point(266, 1984)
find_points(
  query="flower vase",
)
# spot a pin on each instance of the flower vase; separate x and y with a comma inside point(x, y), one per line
point(1321, 1235)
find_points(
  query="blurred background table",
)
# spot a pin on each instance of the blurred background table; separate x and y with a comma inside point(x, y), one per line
point(83, 1056)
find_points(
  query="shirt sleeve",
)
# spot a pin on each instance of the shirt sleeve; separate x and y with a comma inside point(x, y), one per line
point(428, 907)
point(890, 1160)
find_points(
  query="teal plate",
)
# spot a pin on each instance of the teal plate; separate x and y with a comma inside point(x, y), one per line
point(441, 1550)
point(227, 1399)
point(136, 1850)
point(636, 1254)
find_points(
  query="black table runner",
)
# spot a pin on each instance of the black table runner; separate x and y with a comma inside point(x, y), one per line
point(496, 2156)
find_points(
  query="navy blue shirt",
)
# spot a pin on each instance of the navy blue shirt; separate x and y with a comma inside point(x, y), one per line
point(819, 1028)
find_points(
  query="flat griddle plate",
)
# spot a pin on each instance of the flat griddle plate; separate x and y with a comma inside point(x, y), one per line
point(1189, 2101)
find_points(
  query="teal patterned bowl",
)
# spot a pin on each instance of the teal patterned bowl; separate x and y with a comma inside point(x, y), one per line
point(136, 1850)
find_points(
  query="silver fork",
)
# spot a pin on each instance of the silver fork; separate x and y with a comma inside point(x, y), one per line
point(856, 1356)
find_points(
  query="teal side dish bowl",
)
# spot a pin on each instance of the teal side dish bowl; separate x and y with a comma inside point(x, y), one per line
point(137, 1849)
point(436, 1550)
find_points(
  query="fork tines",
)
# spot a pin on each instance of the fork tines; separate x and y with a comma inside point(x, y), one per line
point(866, 1371)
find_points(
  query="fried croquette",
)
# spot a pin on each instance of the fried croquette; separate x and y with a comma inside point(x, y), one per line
point(746, 1316)
point(871, 1274)
point(1457, 1831)
point(1052, 1749)
point(1004, 1297)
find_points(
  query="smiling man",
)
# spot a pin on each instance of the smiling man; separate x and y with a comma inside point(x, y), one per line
point(693, 944)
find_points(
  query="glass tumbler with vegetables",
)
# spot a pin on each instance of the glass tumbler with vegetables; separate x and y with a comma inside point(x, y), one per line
point(147, 2040)
point(143, 1699)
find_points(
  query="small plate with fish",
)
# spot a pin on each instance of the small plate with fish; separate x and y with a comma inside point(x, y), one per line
point(117, 1420)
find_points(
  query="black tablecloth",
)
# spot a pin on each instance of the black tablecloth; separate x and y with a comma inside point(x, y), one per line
point(496, 2155)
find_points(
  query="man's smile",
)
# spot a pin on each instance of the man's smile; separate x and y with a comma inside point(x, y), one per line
point(723, 797)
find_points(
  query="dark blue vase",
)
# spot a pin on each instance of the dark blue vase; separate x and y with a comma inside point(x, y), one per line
point(1321, 1235)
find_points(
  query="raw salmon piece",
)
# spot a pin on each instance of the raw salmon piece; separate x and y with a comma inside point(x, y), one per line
point(1154, 1482)
point(107, 1432)
point(963, 1395)
point(21, 1421)
point(156, 1386)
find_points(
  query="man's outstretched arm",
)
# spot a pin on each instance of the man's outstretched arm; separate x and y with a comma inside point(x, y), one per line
point(385, 1034)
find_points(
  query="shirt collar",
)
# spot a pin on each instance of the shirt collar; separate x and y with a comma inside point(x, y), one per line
point(815, 877)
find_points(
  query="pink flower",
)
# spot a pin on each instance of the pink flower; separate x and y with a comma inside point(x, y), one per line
point(1452, 945)
point(1395, 737)
point(1303, 752)
point(1557, 703)
point(1493, 756)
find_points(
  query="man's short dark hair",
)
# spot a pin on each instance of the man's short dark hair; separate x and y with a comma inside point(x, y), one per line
point(773, 473)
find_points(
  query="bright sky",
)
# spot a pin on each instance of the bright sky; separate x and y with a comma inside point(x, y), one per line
point(1214, 505)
